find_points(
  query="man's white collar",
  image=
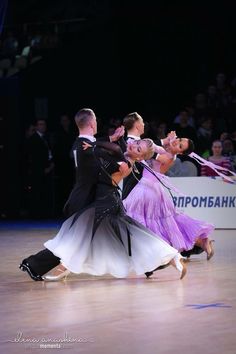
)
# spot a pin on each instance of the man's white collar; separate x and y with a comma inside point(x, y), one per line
point(133, 137)
point(89, 137)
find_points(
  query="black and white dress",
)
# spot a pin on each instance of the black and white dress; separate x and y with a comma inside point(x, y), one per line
point(103, 239)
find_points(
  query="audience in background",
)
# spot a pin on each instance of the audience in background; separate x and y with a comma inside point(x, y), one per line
point(229, 151)
point(217, 158)
point(183, 128)
point(62, 141)
point(209, 120)
point(204, 137)
point(40, 168)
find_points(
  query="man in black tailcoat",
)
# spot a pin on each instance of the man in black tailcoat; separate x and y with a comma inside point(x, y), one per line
point(83, 193)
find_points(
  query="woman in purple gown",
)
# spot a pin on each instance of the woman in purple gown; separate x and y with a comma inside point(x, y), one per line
point(151, 204)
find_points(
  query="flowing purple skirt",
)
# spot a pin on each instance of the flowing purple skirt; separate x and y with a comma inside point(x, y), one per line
point(150, 204)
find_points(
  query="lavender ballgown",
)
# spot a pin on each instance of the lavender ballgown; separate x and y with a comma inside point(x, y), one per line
point(151, 204)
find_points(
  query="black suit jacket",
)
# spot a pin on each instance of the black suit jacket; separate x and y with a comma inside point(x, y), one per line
point(87, 171)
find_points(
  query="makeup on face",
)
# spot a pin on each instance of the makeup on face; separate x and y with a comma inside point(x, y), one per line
point(179, 145)
point(137, 148)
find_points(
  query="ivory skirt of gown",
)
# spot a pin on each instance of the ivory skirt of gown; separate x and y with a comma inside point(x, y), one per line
point(102, 239)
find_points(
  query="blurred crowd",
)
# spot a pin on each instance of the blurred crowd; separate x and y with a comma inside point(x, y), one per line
point(47, 167)
point(47, 162)
point(19, 51)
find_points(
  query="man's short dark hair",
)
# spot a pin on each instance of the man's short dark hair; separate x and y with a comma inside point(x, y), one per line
point(83, 116)
point(130, 119)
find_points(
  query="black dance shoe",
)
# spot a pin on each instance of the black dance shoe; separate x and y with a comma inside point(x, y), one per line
point(25, 267)
point(148, 274)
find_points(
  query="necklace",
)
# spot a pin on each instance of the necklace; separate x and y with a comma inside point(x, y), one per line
point(129, 160)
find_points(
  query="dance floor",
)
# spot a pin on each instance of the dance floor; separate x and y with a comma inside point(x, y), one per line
point(97, 315)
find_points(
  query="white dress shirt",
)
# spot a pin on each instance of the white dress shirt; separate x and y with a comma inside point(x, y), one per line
point(132, 137)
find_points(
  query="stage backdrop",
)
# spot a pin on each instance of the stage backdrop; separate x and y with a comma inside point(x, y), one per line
point(208, 199)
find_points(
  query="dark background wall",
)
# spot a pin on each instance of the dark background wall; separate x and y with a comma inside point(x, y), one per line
point(130, 55)
point(117, 57)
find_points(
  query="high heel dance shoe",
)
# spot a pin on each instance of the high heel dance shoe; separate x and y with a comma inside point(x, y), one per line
point(211, 253)
point(180, 265)
point(62, 275)
point(208, 247)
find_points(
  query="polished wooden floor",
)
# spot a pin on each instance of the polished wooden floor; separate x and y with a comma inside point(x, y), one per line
point(98, 315)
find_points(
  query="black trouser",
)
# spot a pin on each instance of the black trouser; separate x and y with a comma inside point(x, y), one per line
point(43, 261)
point(194, 250)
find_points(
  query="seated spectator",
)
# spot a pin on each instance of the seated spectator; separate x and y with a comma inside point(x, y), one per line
point(190, 112)
point(228, 147)
point(224, 135)
point(157, 130)
point(183, 128)
point(212, 98)
point(217, 158)
point(200, 108)
point(229, 151)
point(223, 89)
point(10, 46)
point(233, 138)
point(161, 130)
point(205, 137)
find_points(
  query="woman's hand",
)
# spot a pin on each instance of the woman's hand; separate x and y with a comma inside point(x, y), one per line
point(166, 162)
point(86, 145)
point(124, 169)
point(119, 132)
point(170, 137)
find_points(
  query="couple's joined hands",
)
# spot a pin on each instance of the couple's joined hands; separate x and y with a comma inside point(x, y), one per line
point(119, 132)
point(170, 137)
